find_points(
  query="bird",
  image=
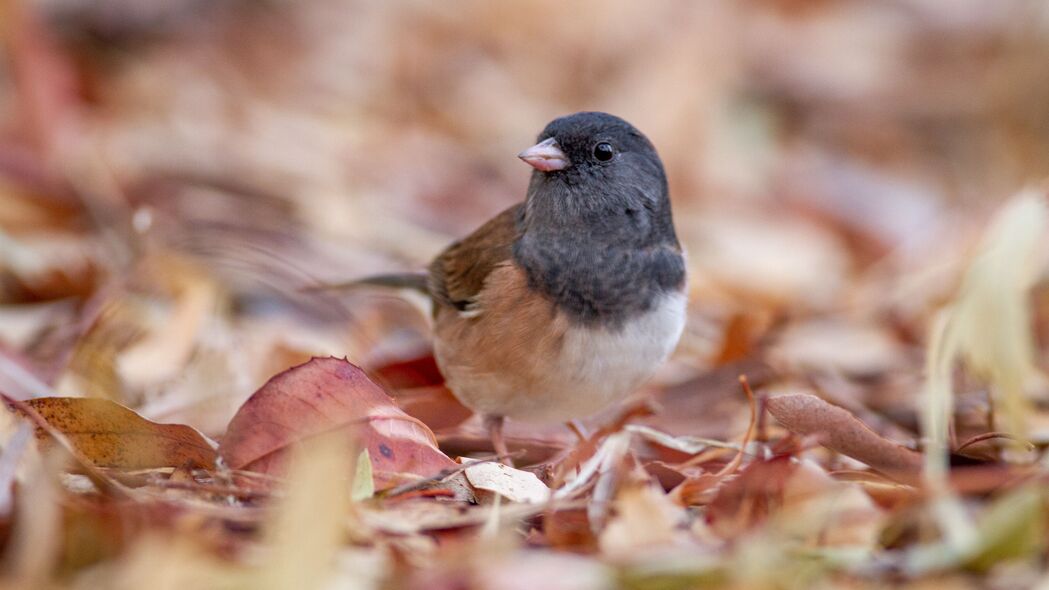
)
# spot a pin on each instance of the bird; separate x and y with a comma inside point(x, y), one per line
point(565, 303)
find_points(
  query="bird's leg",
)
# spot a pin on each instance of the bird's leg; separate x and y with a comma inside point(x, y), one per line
point(577, 427)
point(494, 424)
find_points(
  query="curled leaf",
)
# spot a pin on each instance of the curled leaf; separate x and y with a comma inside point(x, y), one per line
point(324, 395)
point(839, 430)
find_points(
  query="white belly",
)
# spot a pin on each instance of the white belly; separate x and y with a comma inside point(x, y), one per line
point(594, 368)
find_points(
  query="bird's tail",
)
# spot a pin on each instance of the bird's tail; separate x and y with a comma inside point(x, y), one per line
point(415, 281)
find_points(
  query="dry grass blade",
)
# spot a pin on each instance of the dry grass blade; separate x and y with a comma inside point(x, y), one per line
point(36, 538)
point(988, 326)
point(685, 444)
point(427, 482)
point(979, 438)
point(990, 322)
point(306, 530)
point(20, 381)
point(9, 459)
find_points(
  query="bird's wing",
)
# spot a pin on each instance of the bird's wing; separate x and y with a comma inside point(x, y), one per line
point(458, 274)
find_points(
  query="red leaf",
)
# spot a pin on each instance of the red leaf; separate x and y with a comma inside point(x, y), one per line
point(320, 396)
point(747, 500)
point(421, 371)
point(419, 389)
point(436, 406)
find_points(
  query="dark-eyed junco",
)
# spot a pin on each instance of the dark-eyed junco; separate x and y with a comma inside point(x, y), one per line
point(565, 303)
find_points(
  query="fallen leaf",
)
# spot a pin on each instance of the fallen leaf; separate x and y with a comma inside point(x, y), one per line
point(326, 394)
point(839, 430)
point(417, 372)
point(827, 512)
point(435, 406)
point(689, 445)
point(645, 519)
point(418, 387)
point(747, 500)
point(699, 489)
point(569, 529)
point(111, 435)
point(513, 484)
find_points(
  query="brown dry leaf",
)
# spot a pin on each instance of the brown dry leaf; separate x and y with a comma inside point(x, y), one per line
point(741, 333)
point(569, 530)
point(513, 484)
point(111, 435)
point(700, 488)
point(324, 395)
point(645, 519)
point(827, 512)
point(747, 500)
point(697, 490)
point(841, 431)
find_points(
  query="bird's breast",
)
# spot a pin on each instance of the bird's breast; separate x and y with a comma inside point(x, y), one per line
point(525, 358)
point(604, 365)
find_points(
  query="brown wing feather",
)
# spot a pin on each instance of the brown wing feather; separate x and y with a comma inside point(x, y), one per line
point(458, 274)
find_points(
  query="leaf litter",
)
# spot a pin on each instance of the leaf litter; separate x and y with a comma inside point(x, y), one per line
point(173, 176)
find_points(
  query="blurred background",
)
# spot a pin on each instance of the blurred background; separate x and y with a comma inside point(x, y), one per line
point(174, 172)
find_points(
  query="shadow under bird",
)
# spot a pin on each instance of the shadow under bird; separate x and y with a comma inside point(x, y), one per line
point(564, 304)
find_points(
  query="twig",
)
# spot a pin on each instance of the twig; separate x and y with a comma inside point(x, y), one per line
point(440, 476)
point(990, 435)
point(736, 461)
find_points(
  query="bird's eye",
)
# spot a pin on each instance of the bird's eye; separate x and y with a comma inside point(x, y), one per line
point(604, 151)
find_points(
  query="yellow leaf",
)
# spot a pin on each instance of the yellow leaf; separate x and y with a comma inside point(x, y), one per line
point(110, 435)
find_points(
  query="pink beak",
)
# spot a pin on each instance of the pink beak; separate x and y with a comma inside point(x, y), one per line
point(545, 156)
